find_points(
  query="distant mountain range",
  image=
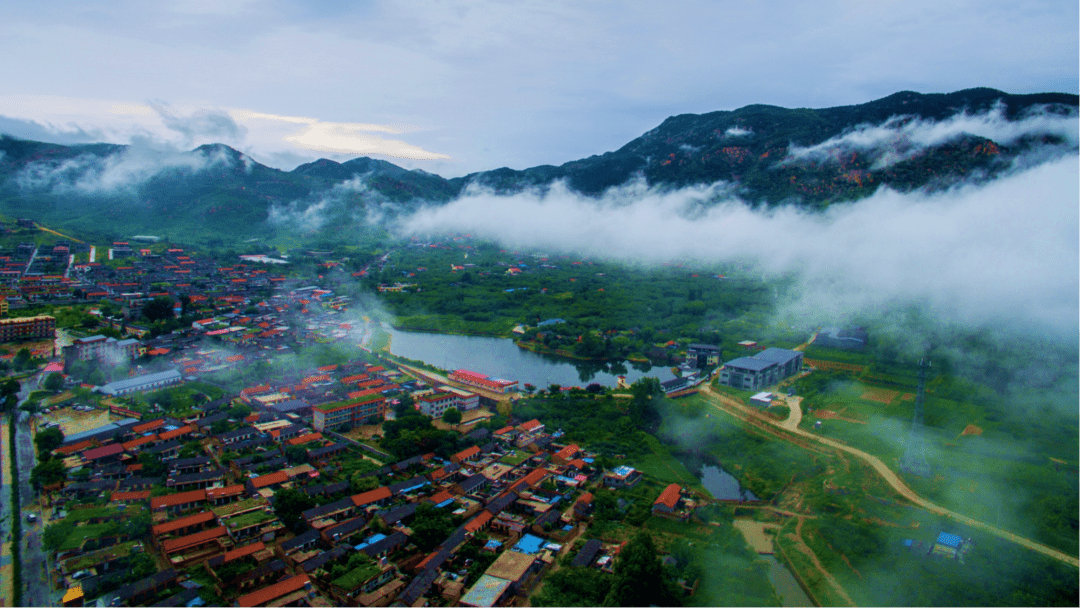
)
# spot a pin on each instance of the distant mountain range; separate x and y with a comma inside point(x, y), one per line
point(769, 155)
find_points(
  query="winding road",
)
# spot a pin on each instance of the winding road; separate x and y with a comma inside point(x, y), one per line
point(734, 407)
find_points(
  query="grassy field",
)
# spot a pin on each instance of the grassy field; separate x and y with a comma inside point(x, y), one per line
point(982, 465)
point(660, 464)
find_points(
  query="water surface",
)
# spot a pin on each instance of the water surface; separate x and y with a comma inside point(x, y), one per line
point(501, 358)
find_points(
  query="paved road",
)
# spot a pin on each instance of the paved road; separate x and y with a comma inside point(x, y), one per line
point(892, 479)
point(37, 590)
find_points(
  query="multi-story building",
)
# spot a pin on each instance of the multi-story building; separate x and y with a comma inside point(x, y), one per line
point(465, 376)
point(334, 416)
point(703, 355)
point(104, 349)
point(763, 369)
point(27, 328)
point(444, 398)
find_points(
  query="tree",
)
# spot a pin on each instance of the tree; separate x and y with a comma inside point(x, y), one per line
point(640, 578)
point(574, 587)
point(296, 454)
point(53, 382)
point(289, 504)
point(23, 358)
point(404, 406)
point(47, 473)
point(48, 440)
point(431, 525)
point(10, 386)
point(152, 465)
point(158, 309)
point(192, 449)
point(452, 416)
point(185, 304)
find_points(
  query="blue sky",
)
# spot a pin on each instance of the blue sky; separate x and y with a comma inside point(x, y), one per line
point(454, 88)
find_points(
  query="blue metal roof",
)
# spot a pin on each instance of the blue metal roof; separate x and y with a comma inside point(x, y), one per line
point(949, 540)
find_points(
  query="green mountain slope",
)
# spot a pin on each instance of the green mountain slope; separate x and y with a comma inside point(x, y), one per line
point(215, 194)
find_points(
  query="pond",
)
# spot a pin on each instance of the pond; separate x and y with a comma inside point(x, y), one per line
point(501, 358)
point(790, 592)
point(722, 485)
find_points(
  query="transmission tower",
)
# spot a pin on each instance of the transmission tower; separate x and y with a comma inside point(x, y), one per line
point(914, 458)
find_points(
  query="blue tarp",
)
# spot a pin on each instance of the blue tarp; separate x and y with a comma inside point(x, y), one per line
point(370, 541)
point(529, 544)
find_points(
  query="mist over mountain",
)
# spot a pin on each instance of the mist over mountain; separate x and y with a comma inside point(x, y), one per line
point(763, 155)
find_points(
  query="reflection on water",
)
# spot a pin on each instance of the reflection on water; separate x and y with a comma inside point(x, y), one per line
point(722, 485)
point(501, 358)
point(791, 594)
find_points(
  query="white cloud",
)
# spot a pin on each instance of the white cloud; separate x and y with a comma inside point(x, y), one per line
point(1004, 253)
point(902, 137)
point(120, 172)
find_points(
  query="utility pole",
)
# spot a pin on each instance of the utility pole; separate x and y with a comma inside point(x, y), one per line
point(914, 458)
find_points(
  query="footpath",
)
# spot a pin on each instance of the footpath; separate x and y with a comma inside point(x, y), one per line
point(6, 569)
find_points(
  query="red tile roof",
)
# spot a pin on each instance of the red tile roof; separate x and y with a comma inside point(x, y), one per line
point(134, 443)
point(504, 430)
point(183, 522)
point(179, 544)
point(123, 496)
point(479, 521)
point(243, 551)
point(273, 592)
point(270, 479)
point(216, 493)
point(441, 497)
point(148, 426)
point(586, 498)
point(171, 500)
point(103, 452)
point(75, 447)
point(669, 497)
point(366, 498)
point(531, 425)
point(465, 454)
point(535, 476)
point(180, 432)
point(577, 463)
point(568, 452)
point(302, 439)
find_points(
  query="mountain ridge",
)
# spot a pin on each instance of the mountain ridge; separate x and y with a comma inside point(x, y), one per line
point(771, 155)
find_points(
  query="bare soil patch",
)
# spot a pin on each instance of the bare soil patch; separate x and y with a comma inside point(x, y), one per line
point(364, 432)
point(831, 415)
point(881, 395)
point(72, 421)
point(971, 429)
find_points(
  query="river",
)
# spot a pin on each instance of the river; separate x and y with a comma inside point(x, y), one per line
point(501, 358)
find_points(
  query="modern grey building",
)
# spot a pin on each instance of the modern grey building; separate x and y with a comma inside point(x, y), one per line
point(763, 369)
point(141, 383)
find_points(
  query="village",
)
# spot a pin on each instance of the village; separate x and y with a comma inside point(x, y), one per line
point(193, 468)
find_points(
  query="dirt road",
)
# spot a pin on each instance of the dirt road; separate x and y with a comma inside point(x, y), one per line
point(734, 407)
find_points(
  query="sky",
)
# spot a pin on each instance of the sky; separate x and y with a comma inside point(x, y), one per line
point(458, 87)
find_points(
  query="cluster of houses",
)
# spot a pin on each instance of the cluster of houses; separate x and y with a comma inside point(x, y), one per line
point(517, 494)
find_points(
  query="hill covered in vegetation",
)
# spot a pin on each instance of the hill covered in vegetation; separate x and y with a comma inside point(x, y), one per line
point(769, 155)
